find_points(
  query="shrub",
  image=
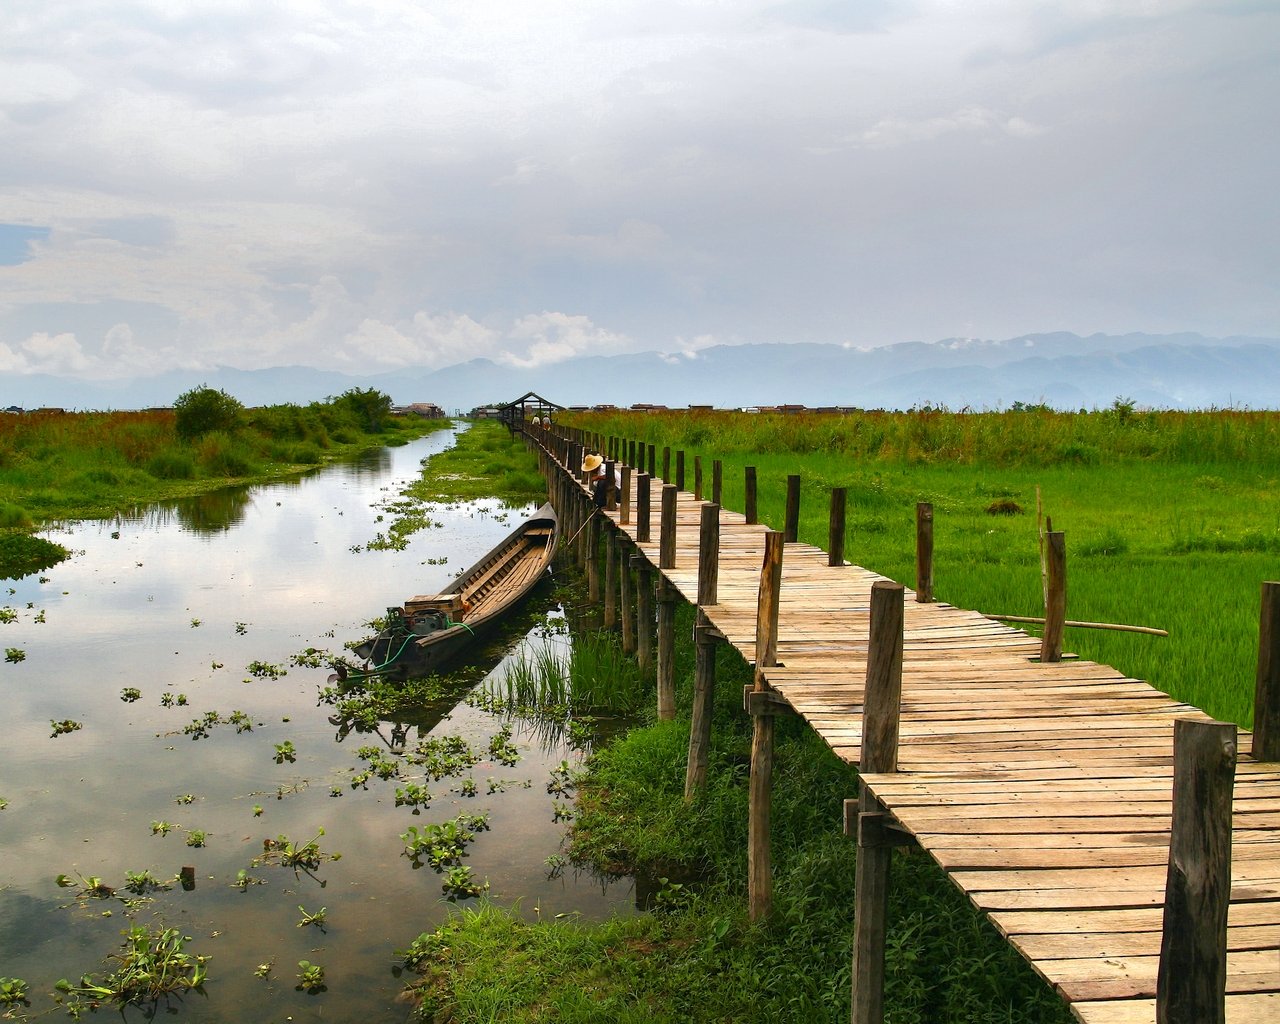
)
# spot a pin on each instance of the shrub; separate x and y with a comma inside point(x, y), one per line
point(219, 456)
point(172, 464)
point(204, 410)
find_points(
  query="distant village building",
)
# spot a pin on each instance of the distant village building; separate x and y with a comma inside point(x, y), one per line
point(427, 410)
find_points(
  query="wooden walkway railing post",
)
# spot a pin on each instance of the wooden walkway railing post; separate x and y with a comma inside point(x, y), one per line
point(749, 495)
point(1192, 980)
point(1266, 700)
point(666, 464)
point(881, 707)
point(667, 597)
point(717, 481)
point(705, 636)
point(680, 470)
point(652, 460)
point(835, 529)
point(924, 552)
point(792, 527)
point(762, 710)
point(1055, 606)
point(667, 528)
point(697, 478)
point(592, 556)
point(612, 491)
point(624, 501)
point(626, 610)
point(643, 510)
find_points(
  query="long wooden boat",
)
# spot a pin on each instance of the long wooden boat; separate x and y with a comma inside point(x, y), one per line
point(431, 630)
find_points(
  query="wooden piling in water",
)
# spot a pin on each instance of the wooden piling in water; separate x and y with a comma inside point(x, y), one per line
point(626, 610)
point(1055, 608)
point(644, 614)
point(881, 708)
point(667, 596)
point(1266, 698)
point(704, 678)
point(610, 580)
point(924, 552)
point(1191, 981)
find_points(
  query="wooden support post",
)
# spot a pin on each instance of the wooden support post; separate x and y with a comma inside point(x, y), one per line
point(704, 679)
point(667, 529)
point(626, 610)
point(610, 580)
point(592, 533)
point(631, 459)
point(1266, 699)
point(717, 481)
point(611, 504)
point(760, 806)
point(835, 528)
point(643, 511)
point(697, 478)
point(1191, 981)
point(1055, 606)
point(644, 614)
point(881, 705)
point(680, 470)
point(653, 469)
point(666, 465)
point(792, 526)
point(924, 552)
point(749, 494)
point(624, 501)
point(667, 596)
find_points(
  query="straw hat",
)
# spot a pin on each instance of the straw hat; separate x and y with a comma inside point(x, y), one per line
point(591, 463)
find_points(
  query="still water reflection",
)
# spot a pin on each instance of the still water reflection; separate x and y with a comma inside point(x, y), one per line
point(181, 602)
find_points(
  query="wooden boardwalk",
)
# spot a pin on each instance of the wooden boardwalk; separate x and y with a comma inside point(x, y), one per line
point(1043, 790)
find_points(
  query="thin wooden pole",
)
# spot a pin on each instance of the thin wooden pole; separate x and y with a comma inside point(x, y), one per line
point(1055, 609)
point(881, 706)
point(792, 525)
point(1266, 698)
point(610, 581)
point(667, 596)
point(835, 530)
point(627, 611)
point(749, 494)
point(667, 536)
point(1191, 982)
point(643, 511)
point(760, 797)
point(644, 614)
point(717, 481)
point(704, 679)
point(924, 552)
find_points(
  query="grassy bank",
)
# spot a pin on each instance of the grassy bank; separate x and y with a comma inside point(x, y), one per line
point(56, 466)
point(1171, 519)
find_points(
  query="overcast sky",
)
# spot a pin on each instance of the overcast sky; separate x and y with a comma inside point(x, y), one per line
point(375, 184)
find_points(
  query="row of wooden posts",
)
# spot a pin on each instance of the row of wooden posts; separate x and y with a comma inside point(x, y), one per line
point(1192, 972)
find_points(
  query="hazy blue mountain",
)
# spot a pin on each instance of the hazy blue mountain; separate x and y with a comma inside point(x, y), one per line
point(1062, 370)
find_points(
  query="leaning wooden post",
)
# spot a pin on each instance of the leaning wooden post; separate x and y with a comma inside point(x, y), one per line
point(1055, 606)
point(667, 528)
point(1191, 982)
point(835, 528)
point(882, 701)
point(643, 512)
point(792, 525)
point(644, 614)
point(704, 676)
point(924, 555)
point(762, 710)
point(626, 610)
point(624, 502)
point(717, 481)
point(749, 494)
point(697, 478)
point(610, 580)
point(1266, 699)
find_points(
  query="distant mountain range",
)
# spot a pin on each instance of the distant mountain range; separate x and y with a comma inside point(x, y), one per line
point(1065, 371)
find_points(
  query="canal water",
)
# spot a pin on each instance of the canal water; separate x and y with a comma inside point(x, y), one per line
point(197, 605)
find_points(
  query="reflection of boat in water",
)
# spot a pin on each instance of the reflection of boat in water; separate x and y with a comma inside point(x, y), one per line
point(430, 631)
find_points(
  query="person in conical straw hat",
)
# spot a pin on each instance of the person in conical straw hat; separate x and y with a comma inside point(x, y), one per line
point(599, 480)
